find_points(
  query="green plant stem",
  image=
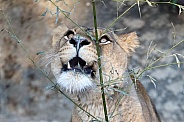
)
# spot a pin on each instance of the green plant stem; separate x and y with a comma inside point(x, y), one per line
point(164, 65)
point(150, 66)
point(119, 17)
point(66, 15)
point(99, 62)
point(147, 1)
point(12, 33)
point(71, 19)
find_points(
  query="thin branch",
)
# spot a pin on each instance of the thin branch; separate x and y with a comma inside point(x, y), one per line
point(99, 62)
point(163, 55)
point(164, 65)
point(119, 17)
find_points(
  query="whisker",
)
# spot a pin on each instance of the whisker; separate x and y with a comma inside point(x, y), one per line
point(47, 59)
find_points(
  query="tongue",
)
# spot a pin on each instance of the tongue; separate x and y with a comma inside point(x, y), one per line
point(77, 62)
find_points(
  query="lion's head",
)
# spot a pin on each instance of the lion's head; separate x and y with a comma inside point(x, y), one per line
point(75, 57)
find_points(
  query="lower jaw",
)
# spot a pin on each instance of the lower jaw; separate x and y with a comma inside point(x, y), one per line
point(75, 82)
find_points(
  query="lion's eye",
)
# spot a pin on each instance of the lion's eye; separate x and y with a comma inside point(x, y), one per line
point(104, 40)
point(69, 34)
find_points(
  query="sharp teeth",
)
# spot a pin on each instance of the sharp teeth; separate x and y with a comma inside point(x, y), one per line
point(74, 70)
point(65, 37)
point(78, 64)
point(68, 66)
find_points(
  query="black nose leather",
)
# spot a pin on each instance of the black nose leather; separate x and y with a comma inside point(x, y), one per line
point(72, 41)
point(84, 42)
point(78, 43)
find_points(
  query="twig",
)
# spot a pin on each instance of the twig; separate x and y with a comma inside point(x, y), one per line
point(119, 17)
point(99, 62)
point(150, 66)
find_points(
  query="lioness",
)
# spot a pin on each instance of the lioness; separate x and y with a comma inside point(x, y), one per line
point(76, 71)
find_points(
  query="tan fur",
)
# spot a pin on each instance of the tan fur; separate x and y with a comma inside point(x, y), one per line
point(135, 106)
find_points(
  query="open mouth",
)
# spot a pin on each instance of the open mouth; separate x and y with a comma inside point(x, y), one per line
point(77, 64)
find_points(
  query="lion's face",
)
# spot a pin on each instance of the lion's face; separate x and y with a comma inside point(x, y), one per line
point(75, 64)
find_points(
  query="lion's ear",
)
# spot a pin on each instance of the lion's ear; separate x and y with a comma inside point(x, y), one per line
point(128, 42)
point(58, 33)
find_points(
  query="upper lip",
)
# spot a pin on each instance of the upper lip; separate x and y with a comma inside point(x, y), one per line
point(77, 64)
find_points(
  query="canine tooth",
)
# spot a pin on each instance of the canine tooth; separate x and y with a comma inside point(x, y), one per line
point(65, 37)
point(74, 70)
point(68, 66)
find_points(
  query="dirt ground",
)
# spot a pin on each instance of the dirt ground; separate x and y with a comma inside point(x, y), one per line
point(27, 96)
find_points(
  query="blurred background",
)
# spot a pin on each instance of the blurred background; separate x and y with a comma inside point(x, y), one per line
point(27, 96)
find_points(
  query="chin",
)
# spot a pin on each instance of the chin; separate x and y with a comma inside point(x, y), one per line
point(75, 82)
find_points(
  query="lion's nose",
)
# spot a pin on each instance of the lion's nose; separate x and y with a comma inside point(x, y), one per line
point(76, 42)
point(79, 42)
